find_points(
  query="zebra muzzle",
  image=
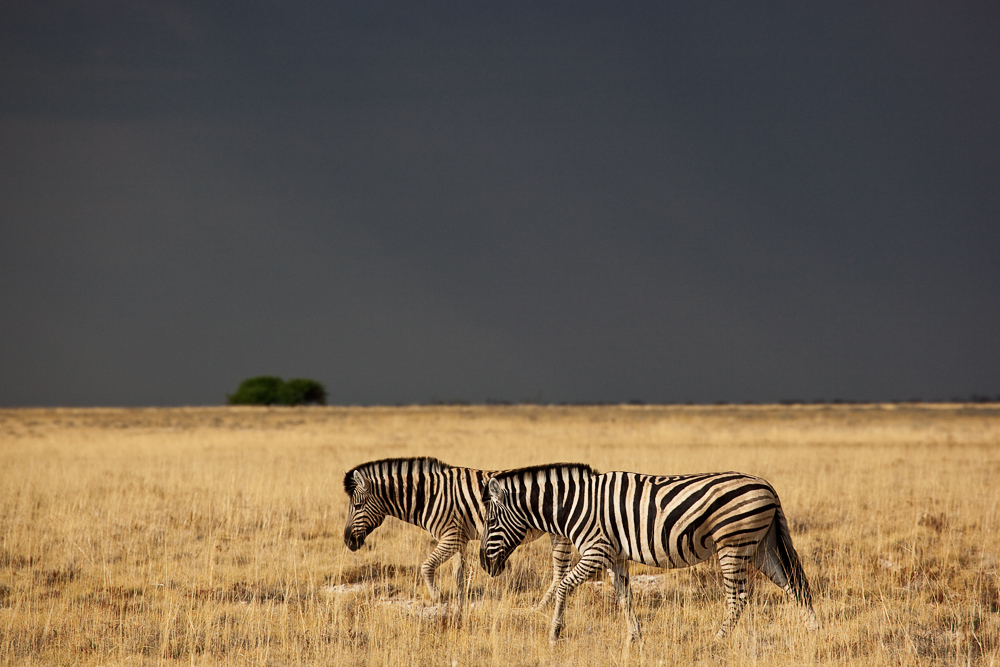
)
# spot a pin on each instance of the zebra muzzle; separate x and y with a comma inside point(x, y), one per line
point(493, 567)
point(354, 542)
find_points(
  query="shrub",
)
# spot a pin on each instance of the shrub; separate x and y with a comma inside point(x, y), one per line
point(269, 390)
point(301, 391)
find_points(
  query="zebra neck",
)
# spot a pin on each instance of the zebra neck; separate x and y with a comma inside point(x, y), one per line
point(553, 506)
point(406, 497)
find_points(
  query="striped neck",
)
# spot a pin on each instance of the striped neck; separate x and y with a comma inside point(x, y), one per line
point(549, 497)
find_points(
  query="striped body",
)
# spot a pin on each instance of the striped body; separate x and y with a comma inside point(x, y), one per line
point(444, 500)
point(666, 522)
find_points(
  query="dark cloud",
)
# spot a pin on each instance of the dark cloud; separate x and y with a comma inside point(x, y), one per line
point(578, 203)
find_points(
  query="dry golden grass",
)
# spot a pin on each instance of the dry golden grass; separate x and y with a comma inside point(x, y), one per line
point(214, 536)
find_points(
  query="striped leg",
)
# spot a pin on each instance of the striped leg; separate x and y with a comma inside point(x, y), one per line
point(461, 585)
point(562, 552)
point(590, 563)
point(446, 548)
point(623, 589)
point(733, 562)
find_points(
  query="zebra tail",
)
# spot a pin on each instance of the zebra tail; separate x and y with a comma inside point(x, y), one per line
point(791, 563)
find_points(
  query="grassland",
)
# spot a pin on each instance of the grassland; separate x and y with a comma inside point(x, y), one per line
point(213, 536)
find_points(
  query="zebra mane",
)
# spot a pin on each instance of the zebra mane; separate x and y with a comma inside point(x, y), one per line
point(434, 464)
point(524, 472)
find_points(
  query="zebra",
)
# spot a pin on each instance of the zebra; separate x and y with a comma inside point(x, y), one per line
point(669, 522)
point(446, 501)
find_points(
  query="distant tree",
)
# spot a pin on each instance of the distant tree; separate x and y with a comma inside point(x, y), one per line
point(300, 391)
point(270, 390)
point(262, 390)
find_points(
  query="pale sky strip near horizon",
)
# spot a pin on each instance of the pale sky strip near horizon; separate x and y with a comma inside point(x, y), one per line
point(561, 202)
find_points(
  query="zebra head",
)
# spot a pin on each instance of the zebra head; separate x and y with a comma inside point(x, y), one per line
point(504, 529)
point(367, 510)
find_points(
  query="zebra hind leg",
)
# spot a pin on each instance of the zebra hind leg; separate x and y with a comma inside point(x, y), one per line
point(733, 562)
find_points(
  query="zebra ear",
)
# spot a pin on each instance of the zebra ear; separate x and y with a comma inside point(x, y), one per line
point(360, 480)
point(495, 490)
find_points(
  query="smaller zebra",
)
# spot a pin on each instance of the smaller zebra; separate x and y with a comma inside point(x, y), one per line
point(446, 501)
point(668, 522)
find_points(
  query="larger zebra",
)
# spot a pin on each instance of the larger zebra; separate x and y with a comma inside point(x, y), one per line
point(662, 521)
point(446, 501)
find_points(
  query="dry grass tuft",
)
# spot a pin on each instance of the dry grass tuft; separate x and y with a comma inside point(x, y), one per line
point(213, 536)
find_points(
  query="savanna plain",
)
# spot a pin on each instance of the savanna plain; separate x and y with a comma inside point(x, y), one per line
point(214, 536)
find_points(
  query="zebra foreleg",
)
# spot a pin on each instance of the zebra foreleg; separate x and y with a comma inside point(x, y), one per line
point(461, 585)
point(446, 548)
point(623, 589)
point(589, 564)
point(562, 552)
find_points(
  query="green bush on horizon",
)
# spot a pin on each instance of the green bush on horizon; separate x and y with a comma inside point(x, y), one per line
point(270, 390)
point(300, 391)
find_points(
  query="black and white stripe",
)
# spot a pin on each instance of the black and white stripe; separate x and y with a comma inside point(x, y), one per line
point(444, 500)
point(661, 521)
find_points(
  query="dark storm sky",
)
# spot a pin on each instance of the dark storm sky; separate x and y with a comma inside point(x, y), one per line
point(566, 202)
